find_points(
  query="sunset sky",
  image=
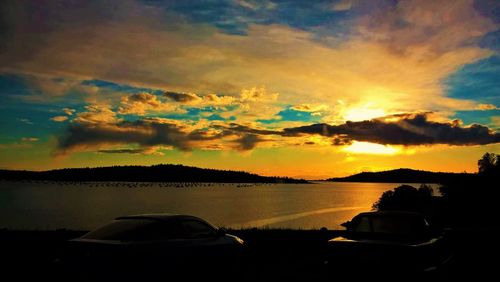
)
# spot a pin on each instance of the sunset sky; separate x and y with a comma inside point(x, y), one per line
point(309, 89)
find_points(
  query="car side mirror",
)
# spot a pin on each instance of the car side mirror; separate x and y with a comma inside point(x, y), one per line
point(221, 232)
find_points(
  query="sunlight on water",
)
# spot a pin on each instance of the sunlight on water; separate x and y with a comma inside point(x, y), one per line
point(284, 218)
point(25, 205)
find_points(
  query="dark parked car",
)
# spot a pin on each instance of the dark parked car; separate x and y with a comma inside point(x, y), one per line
point(387, 242)
point(152, 245)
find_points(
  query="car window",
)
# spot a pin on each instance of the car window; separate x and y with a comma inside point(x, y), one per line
point(197, 229)
point(398, 225)
point(164, 230)
point(121, 229)
point(362, 225)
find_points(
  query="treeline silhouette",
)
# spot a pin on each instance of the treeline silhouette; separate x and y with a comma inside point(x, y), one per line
point(463, 201)
point(155, 173)
point(406, 175)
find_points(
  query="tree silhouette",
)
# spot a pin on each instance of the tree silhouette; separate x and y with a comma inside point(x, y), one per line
point(488, 164)
point(472, 202)
point(405, 197)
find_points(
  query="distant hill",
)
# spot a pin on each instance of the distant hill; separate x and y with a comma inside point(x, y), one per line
point(405, 175)
point(155, 173)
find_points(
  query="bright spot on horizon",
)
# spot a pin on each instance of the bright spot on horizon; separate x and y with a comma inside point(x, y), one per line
point(370, 148)
point(363, 113)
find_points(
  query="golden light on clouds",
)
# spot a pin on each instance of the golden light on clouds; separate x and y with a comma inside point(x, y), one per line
point(363, 113)
point(370, 148)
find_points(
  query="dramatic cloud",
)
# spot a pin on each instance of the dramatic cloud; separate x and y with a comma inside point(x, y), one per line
point(408, 129)
point(396, 56)
point(147, 132)
point(247, 74)
point(89, 134)
point(401, 129)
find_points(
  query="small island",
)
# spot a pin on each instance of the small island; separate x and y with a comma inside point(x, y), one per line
point(406, 175)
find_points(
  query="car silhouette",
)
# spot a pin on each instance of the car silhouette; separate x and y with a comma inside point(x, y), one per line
point(152, 244)
point(387, 243)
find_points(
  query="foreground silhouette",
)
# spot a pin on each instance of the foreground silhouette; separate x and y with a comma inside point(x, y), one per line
point(151, 245)
point(467, 208)
point(392, 244)
point(463, 201)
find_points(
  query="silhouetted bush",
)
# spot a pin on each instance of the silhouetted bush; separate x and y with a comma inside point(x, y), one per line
point(409, 198)
point(405, 197)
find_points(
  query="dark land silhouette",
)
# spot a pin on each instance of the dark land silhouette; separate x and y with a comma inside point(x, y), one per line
point(155, 173)
point(406, 175)
point(465, 211)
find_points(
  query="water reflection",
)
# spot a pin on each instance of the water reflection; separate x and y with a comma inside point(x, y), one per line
point(25, 205)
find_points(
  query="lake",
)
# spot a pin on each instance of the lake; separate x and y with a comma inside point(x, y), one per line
point(84, 206)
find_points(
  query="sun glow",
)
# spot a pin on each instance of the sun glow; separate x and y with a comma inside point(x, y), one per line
point(370, 148)
point(363, 113)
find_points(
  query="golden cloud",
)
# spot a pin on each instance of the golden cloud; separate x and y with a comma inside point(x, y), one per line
point(59, 118)
point(397, 58)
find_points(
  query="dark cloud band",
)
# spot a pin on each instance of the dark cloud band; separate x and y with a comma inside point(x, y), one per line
point(403, 129)
point(408, 129)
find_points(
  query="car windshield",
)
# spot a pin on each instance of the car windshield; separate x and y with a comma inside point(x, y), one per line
point(121, 229)
point(391, 225)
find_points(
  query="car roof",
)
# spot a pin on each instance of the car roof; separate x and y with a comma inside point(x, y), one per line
point(391, 213)
point(162, 217)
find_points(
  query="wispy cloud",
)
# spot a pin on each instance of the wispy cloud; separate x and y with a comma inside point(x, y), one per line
point(59, 118)
point(29, 139)
point(486, 107)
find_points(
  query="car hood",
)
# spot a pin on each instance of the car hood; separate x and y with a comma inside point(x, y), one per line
point(380, 240)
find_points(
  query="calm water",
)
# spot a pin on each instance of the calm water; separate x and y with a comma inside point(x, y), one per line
point(85, 206)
